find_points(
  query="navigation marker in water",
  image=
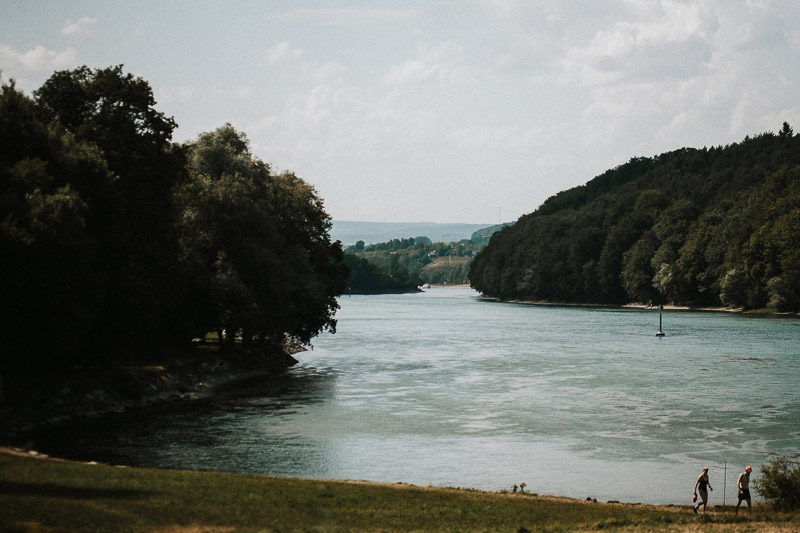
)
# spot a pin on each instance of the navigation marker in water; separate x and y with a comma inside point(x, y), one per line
point(659, 333)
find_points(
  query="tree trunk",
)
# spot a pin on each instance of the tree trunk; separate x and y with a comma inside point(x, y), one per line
point(230, 339)
point(246, 340)
point(220, 338)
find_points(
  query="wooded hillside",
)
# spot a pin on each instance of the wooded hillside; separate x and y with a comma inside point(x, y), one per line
point(118, 243)
point(710, 226)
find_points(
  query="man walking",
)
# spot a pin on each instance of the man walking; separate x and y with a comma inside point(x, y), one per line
point(744, 490)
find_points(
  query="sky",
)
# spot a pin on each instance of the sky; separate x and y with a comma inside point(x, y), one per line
point(471, 111)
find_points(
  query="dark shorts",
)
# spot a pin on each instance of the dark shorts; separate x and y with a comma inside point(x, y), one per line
point(744, 494)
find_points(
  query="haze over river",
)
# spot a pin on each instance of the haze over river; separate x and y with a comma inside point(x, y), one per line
point(443, 388)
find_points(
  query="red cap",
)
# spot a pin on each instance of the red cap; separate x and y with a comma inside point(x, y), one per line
point(747, 469)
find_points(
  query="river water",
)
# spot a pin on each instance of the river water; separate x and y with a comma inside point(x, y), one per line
point(444, 388)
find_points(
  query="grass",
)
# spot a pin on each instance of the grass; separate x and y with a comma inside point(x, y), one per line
point(59, 496)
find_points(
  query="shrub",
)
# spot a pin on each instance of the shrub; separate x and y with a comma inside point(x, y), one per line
point(780, 483)
point(733, 292)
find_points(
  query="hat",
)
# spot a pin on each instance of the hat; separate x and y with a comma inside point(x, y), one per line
point(747, 469)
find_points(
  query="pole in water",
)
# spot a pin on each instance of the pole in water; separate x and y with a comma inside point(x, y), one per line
point(659, 333)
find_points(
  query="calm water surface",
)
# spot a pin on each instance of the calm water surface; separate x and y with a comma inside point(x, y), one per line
point(446, 389)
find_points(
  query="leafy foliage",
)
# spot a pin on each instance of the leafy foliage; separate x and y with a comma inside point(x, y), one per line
point(119, 243)
point(716, 226)
point(780, 483)
point(49, 183)
point(367, 278)
point(115, 112)
point(417, 260)
point(249, 239)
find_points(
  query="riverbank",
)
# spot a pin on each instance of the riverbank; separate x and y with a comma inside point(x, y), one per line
point(646, 307)
point(35, 401)
point(44, 494)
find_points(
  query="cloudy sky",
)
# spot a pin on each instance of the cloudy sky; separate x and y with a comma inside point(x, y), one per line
point(436, 111)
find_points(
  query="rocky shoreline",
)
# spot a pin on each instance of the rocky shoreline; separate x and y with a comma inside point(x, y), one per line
point(38, 401)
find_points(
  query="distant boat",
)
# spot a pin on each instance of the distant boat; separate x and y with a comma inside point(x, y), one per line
point(425, 286)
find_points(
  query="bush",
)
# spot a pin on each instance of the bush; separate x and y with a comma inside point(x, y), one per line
point(733, 292)
point(780, 483)
point(779, 294)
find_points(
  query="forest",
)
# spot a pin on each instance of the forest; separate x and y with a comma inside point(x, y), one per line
point(402, 265)
point(119, 243)
point(715, 226)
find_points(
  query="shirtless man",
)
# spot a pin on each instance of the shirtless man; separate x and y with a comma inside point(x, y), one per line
point(744, 490)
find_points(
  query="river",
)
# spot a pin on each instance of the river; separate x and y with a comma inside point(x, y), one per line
point(447, 389)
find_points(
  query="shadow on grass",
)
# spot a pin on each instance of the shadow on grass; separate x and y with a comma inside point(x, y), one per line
point(64, 491)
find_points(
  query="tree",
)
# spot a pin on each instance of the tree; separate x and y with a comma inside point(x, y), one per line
point(677, 222)
point(368, 278)
point(312, 271)
point(733, 291)
point(116, 113)
point(51, 259)
point(256, 245)
point(779, 483)
point(637, 273)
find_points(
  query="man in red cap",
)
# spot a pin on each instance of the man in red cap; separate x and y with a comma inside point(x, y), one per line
point(744, 490)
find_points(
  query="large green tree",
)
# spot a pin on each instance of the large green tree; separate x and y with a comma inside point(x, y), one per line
point(118, 243)
point(52, 265)
point(255, 245)
point(115, 112)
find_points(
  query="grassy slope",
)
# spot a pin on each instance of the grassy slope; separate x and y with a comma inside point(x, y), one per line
point(53, 495)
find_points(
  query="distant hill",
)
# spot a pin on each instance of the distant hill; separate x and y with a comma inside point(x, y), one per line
point(712, 226)
point(375, 232)
point(482, 235)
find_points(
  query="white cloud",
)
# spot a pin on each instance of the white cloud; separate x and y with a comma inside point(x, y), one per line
point(330, 72)
point(441, 62)
point(282, 52)
point(347, 15)
point(409, 71)
point(794, 39)
point(82, 27)
point(237, 93)
point(174, 94)
point(671, 41)
point(539, 94)
point(498, 139)
point(37, 59)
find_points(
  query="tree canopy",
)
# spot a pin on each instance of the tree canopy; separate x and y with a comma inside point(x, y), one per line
point(120, 243)
point(249, 239)
point(712, 226)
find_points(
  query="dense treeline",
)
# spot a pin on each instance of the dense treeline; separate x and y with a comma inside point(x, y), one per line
point(716, 226)
point(118, 243)
point(416, 260)
point(367, 278)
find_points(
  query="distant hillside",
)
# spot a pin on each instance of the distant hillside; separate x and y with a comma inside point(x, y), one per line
point(712, 226)
point(375, 232)
point(482, 235)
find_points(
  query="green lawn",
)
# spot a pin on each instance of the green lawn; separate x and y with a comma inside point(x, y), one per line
point(59, 496)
